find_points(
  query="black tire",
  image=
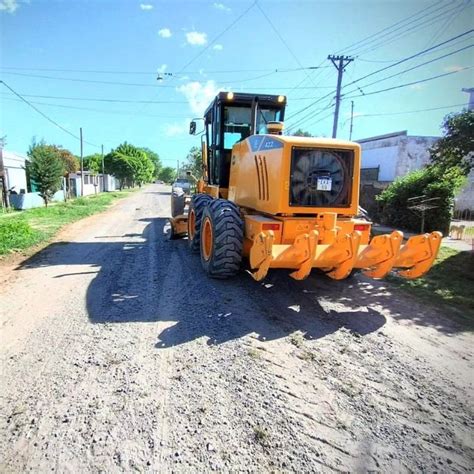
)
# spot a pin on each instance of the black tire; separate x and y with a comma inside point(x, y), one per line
point(177, 202)
point(224, 254)
point(197, 205)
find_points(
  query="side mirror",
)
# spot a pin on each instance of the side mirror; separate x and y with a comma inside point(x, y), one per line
point(192, 128)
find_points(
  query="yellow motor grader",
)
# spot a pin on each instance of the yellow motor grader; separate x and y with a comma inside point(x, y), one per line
point(285, 201)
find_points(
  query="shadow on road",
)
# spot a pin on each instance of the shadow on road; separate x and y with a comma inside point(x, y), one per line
point(147, 278)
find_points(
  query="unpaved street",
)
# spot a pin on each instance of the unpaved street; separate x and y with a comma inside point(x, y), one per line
point(118, 354)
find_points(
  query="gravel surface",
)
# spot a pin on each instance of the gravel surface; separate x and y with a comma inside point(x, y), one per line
point(118, 354)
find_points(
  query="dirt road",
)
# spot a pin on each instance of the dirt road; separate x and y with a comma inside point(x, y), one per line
point(119, 355)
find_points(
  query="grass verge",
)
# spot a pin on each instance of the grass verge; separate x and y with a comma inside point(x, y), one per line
point(21, 230)
point(450, 281)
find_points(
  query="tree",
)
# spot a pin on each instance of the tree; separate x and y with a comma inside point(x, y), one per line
point(155, 159)
point(119, 166)
point(46, 168)
point(130, 165)
point(70, 163)
point(167, 174)
point(301, 133)
point(93, 163)
point(194, 162)
point(456, 147)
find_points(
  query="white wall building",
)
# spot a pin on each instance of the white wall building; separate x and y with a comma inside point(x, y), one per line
point(14, 165)
point(387, 157)
point(395, 154)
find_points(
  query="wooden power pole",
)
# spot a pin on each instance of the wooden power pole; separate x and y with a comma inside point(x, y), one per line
point(340, 63)
point(82, 165)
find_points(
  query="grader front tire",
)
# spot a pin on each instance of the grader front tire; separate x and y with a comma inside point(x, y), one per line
point(196, 208)
point(221, 239)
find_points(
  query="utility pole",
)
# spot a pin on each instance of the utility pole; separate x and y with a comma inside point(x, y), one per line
point(340, 63)
point(3, 178)
point(82, 165)
point(103, 172)
point(352, 119)
point(177, 171)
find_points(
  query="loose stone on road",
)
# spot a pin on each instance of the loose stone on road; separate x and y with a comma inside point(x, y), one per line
point(119, 354)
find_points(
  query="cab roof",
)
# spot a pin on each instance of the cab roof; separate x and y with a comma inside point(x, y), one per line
point(246, 98)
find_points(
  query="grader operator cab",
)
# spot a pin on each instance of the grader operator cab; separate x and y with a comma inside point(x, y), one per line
point(285, 201)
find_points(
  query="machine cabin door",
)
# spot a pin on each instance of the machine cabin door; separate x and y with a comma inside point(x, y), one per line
point(228, 123)
point(213, 140)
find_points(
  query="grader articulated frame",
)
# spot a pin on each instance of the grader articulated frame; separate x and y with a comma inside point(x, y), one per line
point(285, 202)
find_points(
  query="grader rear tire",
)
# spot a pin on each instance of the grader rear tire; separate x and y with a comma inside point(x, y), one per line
point(196, 208)
point(222, 233)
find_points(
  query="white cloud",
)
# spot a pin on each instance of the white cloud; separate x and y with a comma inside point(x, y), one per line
point(165, 33)
point(199, 95)
point(162, 68)
point(416, 87)
point(195, 38)
point(221, 6)
point(146, 6)
point(175, 129)
point(8, 6)
point(218, 47)
point(454, 68)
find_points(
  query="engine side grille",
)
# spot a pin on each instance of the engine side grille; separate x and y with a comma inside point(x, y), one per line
point(262, 177)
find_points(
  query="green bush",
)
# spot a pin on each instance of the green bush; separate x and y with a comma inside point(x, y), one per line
point(17, 235)
point(431, 182)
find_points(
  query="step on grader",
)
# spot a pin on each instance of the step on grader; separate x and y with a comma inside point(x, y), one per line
point(285, 201)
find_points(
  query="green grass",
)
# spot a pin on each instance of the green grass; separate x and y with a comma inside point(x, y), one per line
point(21, 230)
point(469, 231)
point(449, 282)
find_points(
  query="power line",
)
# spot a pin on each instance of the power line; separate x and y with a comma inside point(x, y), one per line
point(155, 86)
point(462, 40)
point(199, 54)
point(444, 27)
point(92, 81)
point(413, 67)
point(385, 68)
point(123, 101)
point(425, 21)
point(411, 83)
point(277, 32)
point(392, 40)
point(378, 33)
point(421, 12)
point(311, 115)
point(49, 119)
point(217, 37)
point(410, 57)
point(386, 114)
point(111, 112)
point(312, 124)
point(153, 73)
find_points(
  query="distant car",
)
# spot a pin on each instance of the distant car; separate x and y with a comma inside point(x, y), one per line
point(158, 181)
point(182, 183)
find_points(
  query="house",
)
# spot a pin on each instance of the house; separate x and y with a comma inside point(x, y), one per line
point(388, 157)
point(93, 184)
point(14, 171)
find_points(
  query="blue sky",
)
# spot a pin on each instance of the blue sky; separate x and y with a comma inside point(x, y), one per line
point(52, 48)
